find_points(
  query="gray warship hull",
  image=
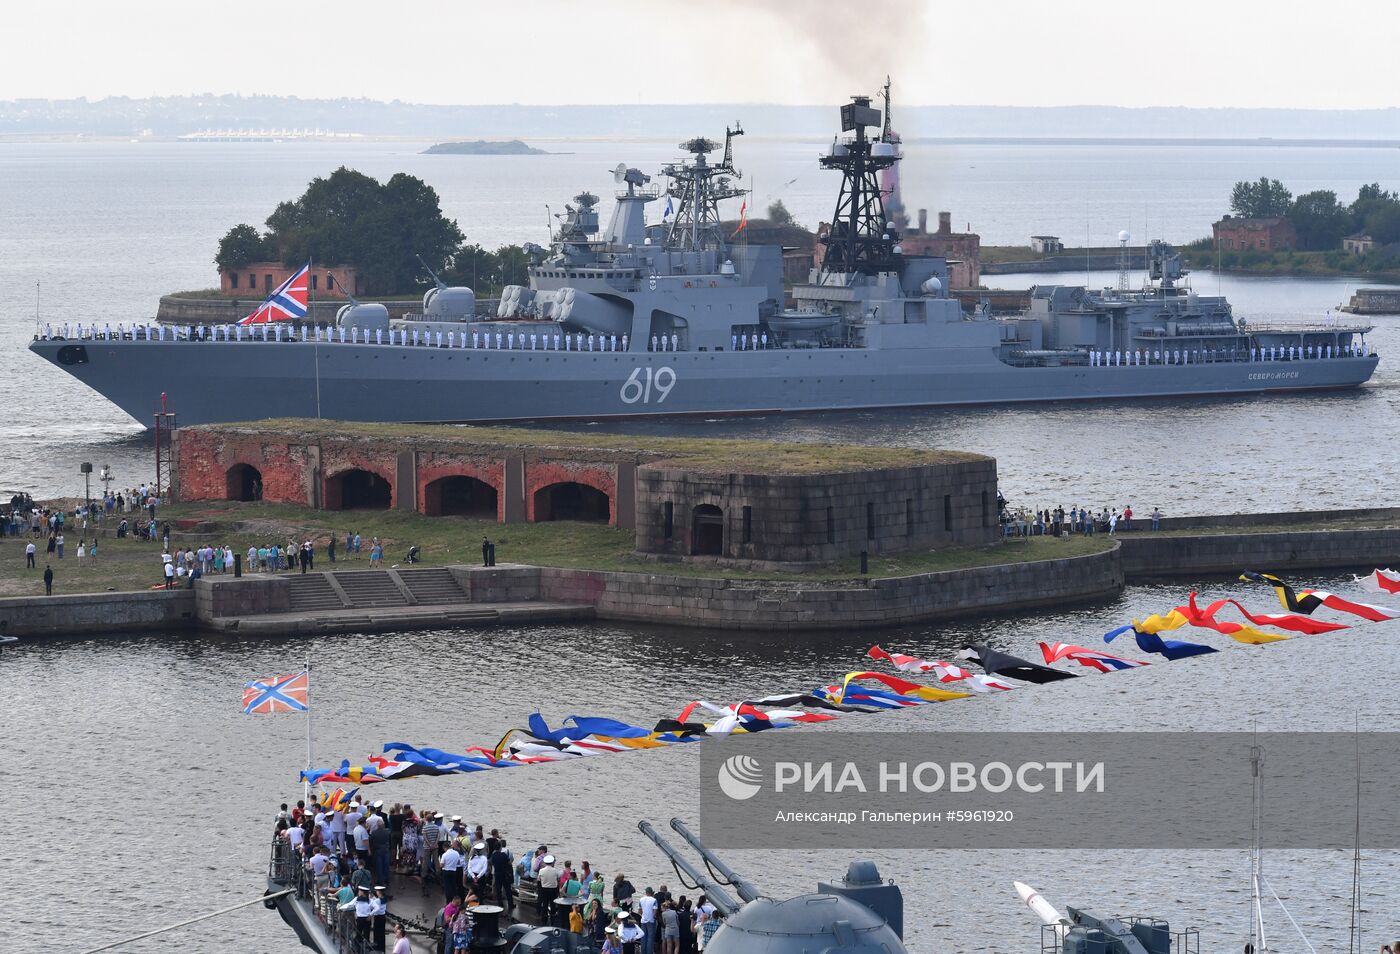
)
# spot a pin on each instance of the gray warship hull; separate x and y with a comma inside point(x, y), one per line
point(210, 382)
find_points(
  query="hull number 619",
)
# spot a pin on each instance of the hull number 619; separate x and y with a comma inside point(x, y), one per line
point(647, 385)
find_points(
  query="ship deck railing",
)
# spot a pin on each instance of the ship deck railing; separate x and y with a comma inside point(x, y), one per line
point(285, 868)
point(282, 332)
point(1186, 357)
point(1186, 941)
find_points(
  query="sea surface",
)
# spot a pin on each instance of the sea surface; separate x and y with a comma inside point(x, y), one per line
point(133, 775)
point(135, 783)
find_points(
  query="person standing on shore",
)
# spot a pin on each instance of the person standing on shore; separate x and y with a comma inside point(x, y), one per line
point(330, 549)
point(1156, 518)
point(48, 580)
point(29, 550)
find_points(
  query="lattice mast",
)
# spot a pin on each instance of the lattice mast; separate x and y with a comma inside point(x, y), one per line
point(698, 188)
point(861, 240)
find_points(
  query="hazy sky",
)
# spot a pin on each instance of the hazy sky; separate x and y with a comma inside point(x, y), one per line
point(1283, 53)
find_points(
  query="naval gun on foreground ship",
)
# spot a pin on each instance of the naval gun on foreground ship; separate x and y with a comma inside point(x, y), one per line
point(860, 914)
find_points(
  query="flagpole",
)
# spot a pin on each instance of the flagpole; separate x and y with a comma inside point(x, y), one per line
point(306, 780)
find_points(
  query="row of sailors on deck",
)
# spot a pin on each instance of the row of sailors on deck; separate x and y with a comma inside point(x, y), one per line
point(493, 341)
point(1114, 359)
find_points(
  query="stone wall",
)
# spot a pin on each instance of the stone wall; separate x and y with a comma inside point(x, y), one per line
point(815, 518)
point(241, 596)
point(141, 611)
point(1149, 555)
point(741, 604)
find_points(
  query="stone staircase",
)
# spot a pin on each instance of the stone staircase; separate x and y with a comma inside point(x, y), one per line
point(369, 588)
point(432, 585)
point(311, 592)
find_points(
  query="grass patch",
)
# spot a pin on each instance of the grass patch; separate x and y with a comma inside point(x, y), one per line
point(702, 455)
point(131, 564)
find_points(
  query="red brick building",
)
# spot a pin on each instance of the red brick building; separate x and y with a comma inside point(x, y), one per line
point(963, 250)
point(1269, 235)
point(260, 278)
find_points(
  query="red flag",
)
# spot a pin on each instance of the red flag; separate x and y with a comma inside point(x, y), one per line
point(743, 218)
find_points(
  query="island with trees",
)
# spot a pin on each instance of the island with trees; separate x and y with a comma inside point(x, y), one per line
point(483, 147)
point(381, 229)
point(1328, 236)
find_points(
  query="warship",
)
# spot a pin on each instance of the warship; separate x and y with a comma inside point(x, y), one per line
point(684, 317)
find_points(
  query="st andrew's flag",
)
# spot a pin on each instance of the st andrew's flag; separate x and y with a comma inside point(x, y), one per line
point(288, 300)
point(278, 694)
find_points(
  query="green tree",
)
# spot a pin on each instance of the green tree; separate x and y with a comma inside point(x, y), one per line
point(1259, 200)
point(350, 218)
point(241, 245)
point(1320, 220)
point(475, 267)
point(778, 213)
point(514, 265)
point(1375, 212)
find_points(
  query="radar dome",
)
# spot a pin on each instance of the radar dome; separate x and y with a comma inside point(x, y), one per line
point(932, 286)
point(1123, 236)
point(727, 268)
point(882, 149)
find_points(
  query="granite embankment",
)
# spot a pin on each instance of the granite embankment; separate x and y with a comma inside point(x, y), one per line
point(423, 597)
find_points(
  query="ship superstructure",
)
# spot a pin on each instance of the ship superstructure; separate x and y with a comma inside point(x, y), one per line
point(675, 317)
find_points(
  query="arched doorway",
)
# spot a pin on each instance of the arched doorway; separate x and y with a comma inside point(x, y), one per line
point(358, 490)
point(707, 531)
point(244, 483)
point(459, 495)
point(572, 501)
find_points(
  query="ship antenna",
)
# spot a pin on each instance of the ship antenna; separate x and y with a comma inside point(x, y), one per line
point(889, 123)
point(729, 135)
point(429, 270)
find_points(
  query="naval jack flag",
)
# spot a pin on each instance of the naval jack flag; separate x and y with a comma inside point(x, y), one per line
point(287, 302)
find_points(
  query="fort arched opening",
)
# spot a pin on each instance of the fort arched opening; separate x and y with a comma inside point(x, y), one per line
point(460, 495)
point(571, 500)
point(358, 489)
point(244, 482)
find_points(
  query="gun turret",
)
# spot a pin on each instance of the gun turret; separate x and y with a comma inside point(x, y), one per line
point(722, 872)
point(725, 904)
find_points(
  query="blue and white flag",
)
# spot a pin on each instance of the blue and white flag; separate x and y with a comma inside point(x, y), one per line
point(668, 211)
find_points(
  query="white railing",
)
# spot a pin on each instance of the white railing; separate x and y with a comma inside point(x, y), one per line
point(580, 342)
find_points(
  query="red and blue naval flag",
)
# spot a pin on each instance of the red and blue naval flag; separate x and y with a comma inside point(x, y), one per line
point(287, 301)
point(278, 694)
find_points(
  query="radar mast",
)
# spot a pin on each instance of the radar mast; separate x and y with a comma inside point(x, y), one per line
point(698, 188)
point(861, 241)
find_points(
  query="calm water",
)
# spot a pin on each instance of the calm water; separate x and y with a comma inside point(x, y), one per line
point(130, 760)
point(144, 738)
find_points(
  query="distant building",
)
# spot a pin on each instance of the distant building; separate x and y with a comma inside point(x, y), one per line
point(259, 279)
point(963, 250)
point(1359, 243)
point(1046, 244)
point(1271, 235)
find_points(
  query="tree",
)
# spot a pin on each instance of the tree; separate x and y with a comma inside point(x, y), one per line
point(240, 246)
point(350, 218)
point(778, 213)
point(1264, 199)
point(475, 267)
point(1376, 212)
point(1319, 220)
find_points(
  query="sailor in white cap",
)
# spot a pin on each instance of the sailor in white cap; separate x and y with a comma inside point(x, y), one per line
point(379, 912)
point(362, 914)
point(477, 866)
point(548, 890)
